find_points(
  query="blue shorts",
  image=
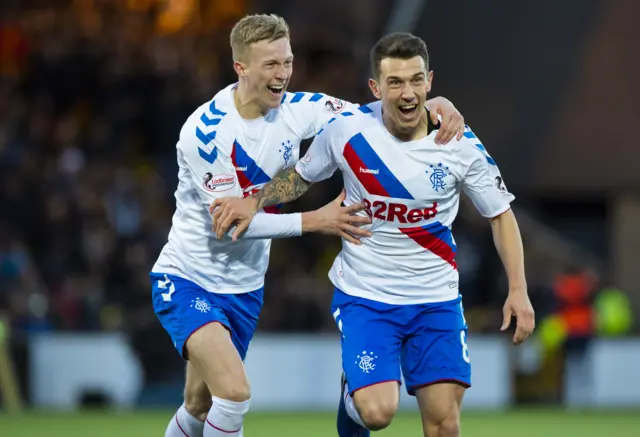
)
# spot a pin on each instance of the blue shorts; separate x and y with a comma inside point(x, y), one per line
point(428, 341)
point(184, 307)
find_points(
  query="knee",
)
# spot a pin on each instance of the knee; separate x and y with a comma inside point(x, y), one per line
point(446, 426)
point(239, 392)
point(197, 402)
point(378, 414)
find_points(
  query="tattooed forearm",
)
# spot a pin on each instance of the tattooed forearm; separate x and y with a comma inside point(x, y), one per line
point(285, 187)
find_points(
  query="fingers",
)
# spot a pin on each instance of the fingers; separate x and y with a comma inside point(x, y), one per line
point(356, 231)
point(216, 203)
point(449, 130)
point(223, 226)
point(461, 128)
point(525, 325)
point(242, 226)
point(341, 197)
point(434, 117)
point(356, 219)
point(356, 207)
point(506, 318)
point(442, 131)
point(218, 217)
point(350, 238)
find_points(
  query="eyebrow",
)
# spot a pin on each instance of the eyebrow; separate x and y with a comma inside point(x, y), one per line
point(415, 76)
point(275, 61)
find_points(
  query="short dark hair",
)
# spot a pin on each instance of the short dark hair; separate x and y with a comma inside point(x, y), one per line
point(400, 45)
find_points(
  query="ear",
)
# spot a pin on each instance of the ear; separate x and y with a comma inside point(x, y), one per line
point(240, 68)
point(429, 79)
point(375, 89)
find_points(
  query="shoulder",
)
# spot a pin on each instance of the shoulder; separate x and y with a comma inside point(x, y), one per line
point(210, 122)
point(471, 148)
point(296, 100)
point(347, 123)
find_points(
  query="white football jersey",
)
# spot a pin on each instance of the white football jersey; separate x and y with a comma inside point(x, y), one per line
point(221, 154)
point(412, 192)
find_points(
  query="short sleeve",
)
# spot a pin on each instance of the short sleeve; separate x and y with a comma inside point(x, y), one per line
point(483, 182)
point(313, 111)
point(319, 162)
point(201, 159)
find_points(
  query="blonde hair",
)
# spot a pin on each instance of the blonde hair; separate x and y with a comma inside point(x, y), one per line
point(255, 28)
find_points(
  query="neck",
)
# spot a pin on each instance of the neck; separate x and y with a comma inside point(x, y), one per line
point(410, 134)
point(246, 105)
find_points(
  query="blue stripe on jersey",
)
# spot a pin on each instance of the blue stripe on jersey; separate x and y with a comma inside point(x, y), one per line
point(373, 162)
point(468, 133)
point(346, 114)
point(297, 97)
point(209, 157)
point(205, 138)
point(316, 97)
point(209, 121)
point(365, 109)
point(254, 173)
point(443, 233)
point(332, 120)
point(216, 111)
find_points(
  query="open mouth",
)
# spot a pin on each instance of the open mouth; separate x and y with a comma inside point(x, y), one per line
point(408, 109)
point(276, 90)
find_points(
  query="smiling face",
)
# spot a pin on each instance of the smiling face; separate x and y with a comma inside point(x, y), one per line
point(403, 86)
point(402, 81)
point(263, 60)
point(267, 71)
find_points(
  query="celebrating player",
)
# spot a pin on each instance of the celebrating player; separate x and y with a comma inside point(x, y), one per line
point(231, 146)
point(396, 301)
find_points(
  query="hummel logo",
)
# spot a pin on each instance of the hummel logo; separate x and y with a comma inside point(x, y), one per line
point(241, 168)
point(369, 170)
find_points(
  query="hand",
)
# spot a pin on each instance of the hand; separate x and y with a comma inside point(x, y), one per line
point(230, 210)
point(335, 219)
point(452, 124)
point(518, 305)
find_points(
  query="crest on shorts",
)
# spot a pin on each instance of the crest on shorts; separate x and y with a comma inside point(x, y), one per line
point(366, 361)
point(200, 305)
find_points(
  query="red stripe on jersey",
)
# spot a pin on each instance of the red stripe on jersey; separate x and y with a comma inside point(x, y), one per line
point(432, 243)
point(243, 180)
point(272, 209)
point(368, 180)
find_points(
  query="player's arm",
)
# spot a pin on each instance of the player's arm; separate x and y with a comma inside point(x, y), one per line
point(213, 174)
point(317, 109)
point(484, 185)
point(451, 121)
point(287, 186)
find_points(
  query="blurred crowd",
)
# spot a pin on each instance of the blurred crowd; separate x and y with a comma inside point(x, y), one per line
point(92, 97)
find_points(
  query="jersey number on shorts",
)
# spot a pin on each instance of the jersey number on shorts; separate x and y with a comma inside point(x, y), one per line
point(164, 285)
point(465, 348)
point(336, 314)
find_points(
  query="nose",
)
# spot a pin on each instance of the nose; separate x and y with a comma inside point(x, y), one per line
point(281, 73)
point(408, 94)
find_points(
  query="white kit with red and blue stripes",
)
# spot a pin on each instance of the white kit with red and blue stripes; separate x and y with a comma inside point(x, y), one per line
point(412, 193)
point(221, 154)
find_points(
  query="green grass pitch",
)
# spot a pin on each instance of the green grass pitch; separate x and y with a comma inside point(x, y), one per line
point(534, 423)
